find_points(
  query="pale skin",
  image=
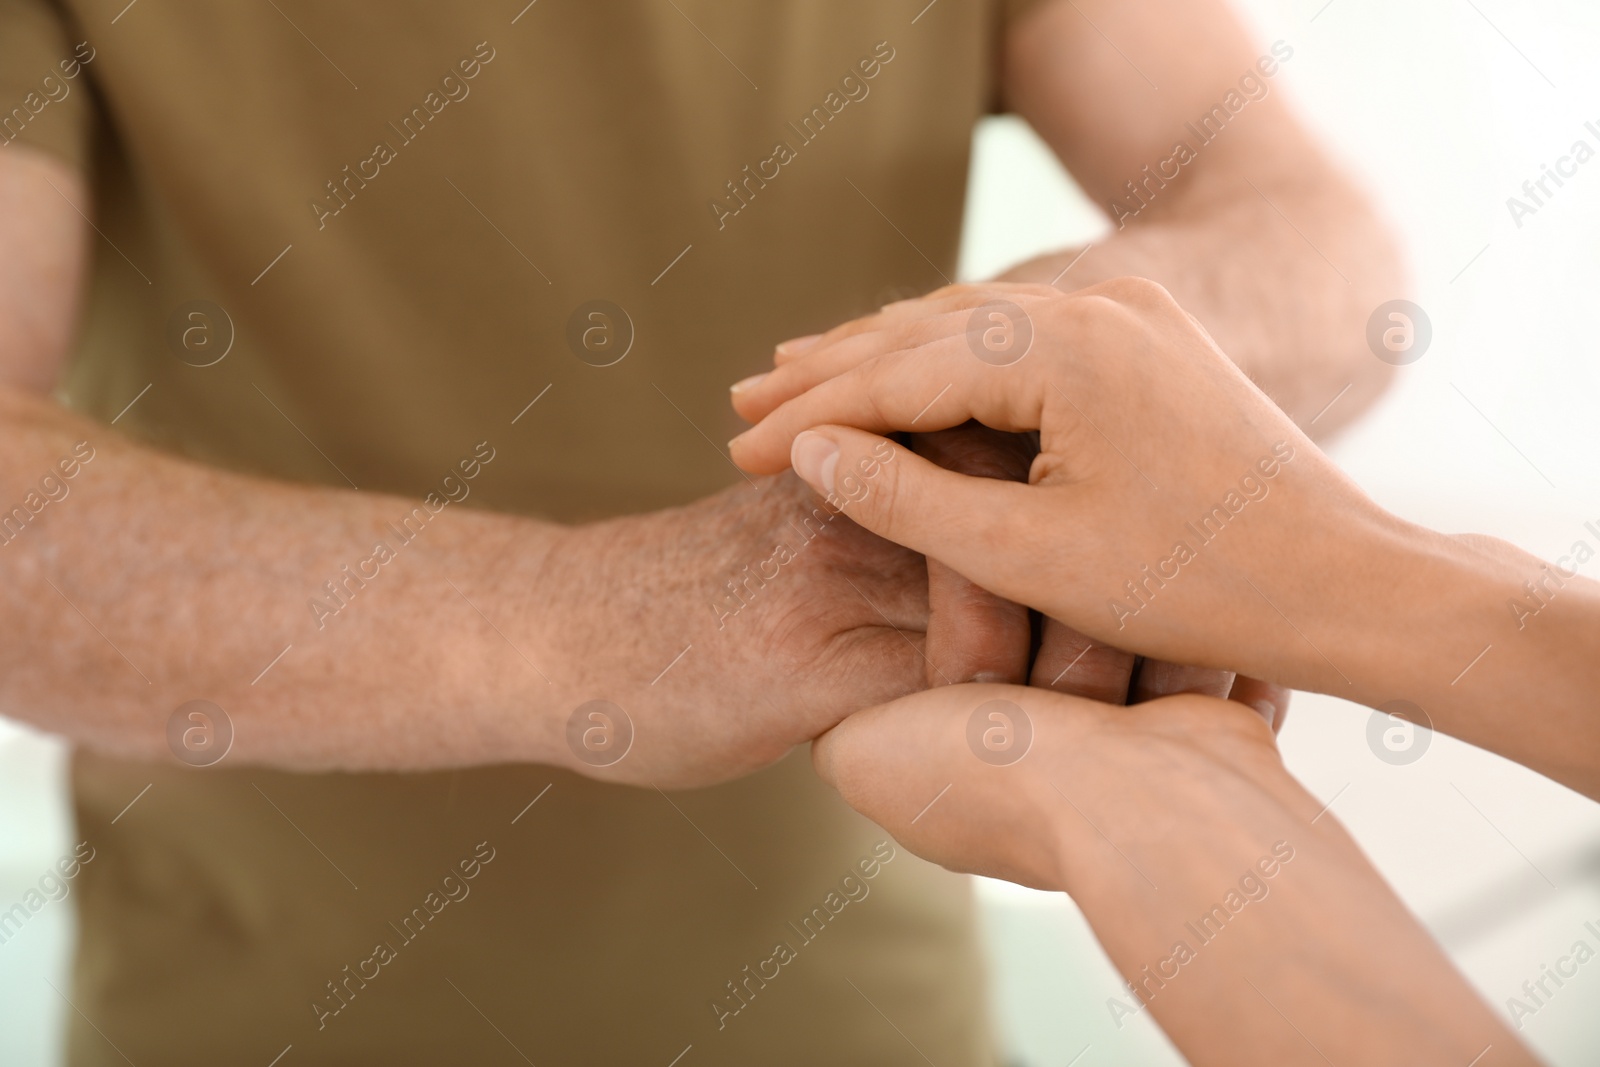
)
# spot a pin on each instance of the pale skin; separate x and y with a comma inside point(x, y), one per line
point(1144, 426)
point(1326, 966)
point(487, 635)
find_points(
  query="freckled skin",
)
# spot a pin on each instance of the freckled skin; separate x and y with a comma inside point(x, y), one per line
point(408, 673)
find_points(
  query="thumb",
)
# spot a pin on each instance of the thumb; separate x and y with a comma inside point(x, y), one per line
point(883, 759)
point(957, 519)
point(913, 766)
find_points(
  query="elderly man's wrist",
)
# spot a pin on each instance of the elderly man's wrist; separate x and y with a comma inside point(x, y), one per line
point(525, 684)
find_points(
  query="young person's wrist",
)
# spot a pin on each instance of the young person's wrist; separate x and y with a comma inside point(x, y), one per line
point(1417, 607)
point(1161, 802)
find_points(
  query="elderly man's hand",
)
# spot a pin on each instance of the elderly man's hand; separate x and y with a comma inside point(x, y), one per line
point(736, 628)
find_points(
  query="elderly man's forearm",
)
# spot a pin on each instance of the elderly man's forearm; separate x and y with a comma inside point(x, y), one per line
point(139, 582)
point(1287, 300)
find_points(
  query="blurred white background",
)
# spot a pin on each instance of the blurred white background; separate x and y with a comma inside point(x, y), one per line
point(1443, 108)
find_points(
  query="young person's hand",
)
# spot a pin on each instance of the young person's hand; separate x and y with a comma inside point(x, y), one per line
point(1175, 512)
point(1203, 867)
point(973, 634)
point(1165, 487)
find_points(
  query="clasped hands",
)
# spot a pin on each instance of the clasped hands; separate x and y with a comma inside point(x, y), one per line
point(973, 634)
point(1169, 510)
point(1103, 477)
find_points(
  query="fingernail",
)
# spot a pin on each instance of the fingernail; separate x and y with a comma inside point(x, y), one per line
point(814, 457)
point(1265, 709)
point(746, 383)
point(989, 678)
point(799, 344)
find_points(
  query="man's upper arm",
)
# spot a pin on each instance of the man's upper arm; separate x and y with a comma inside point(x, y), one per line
point(1084, 73)
point(42, 252)
point(45, 117)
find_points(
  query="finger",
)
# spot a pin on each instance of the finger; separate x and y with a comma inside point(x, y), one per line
point(1270, 701)
point(1068, 662)
point(755, 398)
point(896, 762)
point(1158, 678)
point(973, 635)
point(939, 385)
point(948, 298)
point(968, 523)
point(905, 326)
point(799, 347)
point(794, 348)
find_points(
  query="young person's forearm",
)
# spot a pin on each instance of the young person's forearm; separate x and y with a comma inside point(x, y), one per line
point(141, 582)
point(1494, 645)
point(1271, 940)
point(1239, 911)
point(1467, 634)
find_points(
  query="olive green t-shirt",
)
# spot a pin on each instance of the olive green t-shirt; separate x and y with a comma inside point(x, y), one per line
point(342, 243)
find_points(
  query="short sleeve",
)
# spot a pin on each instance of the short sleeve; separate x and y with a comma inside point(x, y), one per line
point(45, 98)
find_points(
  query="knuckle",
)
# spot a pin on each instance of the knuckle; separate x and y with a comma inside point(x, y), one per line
point(1137, 291)
point(913, 334)
point(871, 383)
point(886, 499)
point(1086, 309)
point(1113, 310)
